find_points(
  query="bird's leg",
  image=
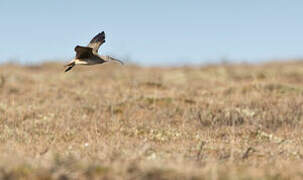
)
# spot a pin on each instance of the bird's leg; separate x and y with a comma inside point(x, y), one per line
point(72, 62)
point(70, 65)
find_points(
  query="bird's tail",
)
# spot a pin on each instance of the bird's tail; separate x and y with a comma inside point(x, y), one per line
point(69, 66)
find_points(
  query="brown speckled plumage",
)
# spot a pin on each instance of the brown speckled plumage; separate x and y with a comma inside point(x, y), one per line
point(88, 55)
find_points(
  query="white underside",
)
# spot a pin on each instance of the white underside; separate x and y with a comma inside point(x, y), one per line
point(85, 62)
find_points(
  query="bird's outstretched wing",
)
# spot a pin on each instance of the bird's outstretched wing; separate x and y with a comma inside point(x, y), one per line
point(83, 52)
point(97, 41)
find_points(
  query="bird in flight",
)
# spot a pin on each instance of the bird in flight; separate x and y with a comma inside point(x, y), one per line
point(88, 55)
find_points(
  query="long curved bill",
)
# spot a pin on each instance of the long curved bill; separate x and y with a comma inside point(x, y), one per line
point(117, 60)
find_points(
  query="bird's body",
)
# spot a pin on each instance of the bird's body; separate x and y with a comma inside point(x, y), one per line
point(88, 55)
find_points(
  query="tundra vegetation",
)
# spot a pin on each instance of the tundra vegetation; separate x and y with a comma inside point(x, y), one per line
point(225, 121)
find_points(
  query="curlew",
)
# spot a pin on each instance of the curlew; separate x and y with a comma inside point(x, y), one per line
point(88, 55)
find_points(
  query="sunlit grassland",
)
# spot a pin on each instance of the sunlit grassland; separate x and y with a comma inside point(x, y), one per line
point(227, 121)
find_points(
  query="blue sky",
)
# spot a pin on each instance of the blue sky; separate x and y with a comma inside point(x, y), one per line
point(153, 32)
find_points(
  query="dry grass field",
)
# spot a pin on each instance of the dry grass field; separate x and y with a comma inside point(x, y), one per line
point(127, 122)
